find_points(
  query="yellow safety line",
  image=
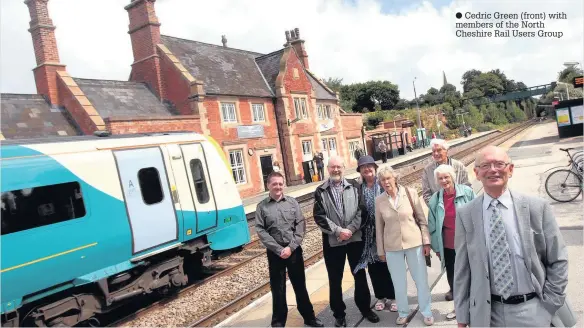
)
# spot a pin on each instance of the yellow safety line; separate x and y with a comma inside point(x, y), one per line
point(48, 257)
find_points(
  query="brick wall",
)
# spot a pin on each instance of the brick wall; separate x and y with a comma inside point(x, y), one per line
point(177, 88)
point(46, 53)
point(153, 124)
point(226, 135)
point(78, 106)
point(297, 84)
point(144, 32)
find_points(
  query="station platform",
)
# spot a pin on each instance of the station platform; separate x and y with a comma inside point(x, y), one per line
point(250, 203)
point(533, 151)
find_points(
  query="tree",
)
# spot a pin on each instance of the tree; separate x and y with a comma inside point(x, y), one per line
point(369, 95)
point(334, 83)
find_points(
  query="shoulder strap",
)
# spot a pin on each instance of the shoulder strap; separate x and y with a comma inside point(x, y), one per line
point(411, 203)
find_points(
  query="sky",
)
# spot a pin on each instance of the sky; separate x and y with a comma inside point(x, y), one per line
point(356, 40)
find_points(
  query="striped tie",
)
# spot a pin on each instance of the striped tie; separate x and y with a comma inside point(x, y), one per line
point(500, 253)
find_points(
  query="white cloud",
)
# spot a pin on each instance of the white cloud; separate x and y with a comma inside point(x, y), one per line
point(355, 42)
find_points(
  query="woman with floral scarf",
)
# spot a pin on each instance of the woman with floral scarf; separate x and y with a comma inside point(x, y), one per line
point(378, 271)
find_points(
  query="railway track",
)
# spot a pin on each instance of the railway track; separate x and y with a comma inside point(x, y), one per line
point(255, 249)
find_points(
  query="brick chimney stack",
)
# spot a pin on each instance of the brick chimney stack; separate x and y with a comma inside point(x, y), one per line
point(295, 41)
point(45, 50)
point(144, 30)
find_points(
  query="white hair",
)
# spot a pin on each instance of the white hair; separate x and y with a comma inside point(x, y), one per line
point(386, 169)
point(444, 168)
point(440, 142)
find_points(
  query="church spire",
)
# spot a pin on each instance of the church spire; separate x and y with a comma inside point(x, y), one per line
point(444, 78)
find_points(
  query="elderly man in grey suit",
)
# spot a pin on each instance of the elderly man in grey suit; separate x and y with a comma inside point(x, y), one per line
point(440, 155)
point(511, 265)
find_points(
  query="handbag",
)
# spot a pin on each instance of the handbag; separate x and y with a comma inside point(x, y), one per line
point(428, 257)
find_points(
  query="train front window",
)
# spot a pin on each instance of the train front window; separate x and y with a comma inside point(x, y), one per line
point(31, 208)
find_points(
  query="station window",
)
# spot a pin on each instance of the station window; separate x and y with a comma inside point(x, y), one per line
point(31, 208)
point(237, 166)
point(150, 185)
point(199, 180)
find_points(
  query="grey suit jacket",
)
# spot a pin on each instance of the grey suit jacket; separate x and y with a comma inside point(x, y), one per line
point(545, 254)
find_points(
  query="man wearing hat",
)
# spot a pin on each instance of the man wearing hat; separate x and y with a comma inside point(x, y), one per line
point(369, 189)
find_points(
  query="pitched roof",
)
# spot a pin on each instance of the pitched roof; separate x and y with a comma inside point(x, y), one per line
point(122, 98)
point(270, 67)
point(320, 91)
point(30, 116)
point(224, 70)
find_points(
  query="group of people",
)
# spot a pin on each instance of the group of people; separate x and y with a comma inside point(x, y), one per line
point(505, 259)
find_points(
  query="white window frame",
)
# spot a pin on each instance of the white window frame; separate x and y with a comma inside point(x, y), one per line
point(332, 144)
point(325, 144)
point(229, 117)
point(353, 146)
point(327, 111)
point(238, 166)
point(300, 107)
point(306, 147)
point(319, 111)
point(258, 113)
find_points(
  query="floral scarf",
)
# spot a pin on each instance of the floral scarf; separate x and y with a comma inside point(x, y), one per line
point(370, 246)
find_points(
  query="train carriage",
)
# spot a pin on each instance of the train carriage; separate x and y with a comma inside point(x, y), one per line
point(90, 222)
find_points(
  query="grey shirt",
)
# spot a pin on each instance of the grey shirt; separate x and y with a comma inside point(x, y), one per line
point(280, 224)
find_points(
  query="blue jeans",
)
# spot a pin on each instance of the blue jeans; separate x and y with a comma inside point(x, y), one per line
point(397, 269)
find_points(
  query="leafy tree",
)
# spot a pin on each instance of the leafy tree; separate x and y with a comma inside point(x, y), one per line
point(334, 83)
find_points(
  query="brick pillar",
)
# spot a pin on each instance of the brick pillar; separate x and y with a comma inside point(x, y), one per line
point(144, 30)
point(45, 50)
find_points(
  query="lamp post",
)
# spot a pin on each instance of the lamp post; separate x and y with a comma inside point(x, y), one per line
point(417, 105)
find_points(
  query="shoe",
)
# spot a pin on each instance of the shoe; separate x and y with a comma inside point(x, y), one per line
point(341, 322)
point(451, 315)
point(448, 296)
point(401, 320)
point(372, 317)
point(314, 323)
point(429, 321)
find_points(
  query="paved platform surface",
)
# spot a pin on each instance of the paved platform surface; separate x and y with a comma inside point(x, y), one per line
point(250, 203)
point(533, 151)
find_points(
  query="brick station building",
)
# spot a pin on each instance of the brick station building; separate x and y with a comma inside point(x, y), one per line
point(260, 108)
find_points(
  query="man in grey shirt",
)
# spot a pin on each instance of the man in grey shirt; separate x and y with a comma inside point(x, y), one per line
point(440, 155)
point(280, 226)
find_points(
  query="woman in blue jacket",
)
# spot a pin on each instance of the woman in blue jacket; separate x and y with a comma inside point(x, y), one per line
point(442, 217)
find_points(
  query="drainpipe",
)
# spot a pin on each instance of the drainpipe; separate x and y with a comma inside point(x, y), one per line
point(281, 138)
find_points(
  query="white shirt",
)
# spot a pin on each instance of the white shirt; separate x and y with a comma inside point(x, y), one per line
point(394, 201)
point(522, 278)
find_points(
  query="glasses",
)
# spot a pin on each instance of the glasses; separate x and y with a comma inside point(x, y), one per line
point(496, 165)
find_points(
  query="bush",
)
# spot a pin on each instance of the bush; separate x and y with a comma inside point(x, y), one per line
point(484, 127)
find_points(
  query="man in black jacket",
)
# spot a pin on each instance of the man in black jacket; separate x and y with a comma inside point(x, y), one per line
point(337, 211)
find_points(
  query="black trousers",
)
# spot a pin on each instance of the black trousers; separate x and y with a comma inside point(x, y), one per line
point(334, 260)
point(381, 280)
point(277, 267)
point(321, 173)
point(384, 157)
point(449, 256)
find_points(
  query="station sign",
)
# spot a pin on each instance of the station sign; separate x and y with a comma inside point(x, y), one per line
point(250, 131)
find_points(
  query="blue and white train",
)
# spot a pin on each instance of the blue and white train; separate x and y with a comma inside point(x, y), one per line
point(91, 222)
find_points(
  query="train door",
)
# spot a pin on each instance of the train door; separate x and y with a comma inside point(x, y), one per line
point(267, 168)
point(147, 196)
point(200, 185)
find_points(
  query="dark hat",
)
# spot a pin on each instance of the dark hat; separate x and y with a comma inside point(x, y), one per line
point(363, 160)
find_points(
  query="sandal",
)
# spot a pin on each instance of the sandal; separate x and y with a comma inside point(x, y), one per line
point(392, 305)
point(380, 305)
point(451, 315)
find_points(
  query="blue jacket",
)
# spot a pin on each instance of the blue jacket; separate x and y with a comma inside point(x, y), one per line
point(464, 194)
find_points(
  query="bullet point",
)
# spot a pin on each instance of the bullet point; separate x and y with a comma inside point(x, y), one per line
point(458, 15)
